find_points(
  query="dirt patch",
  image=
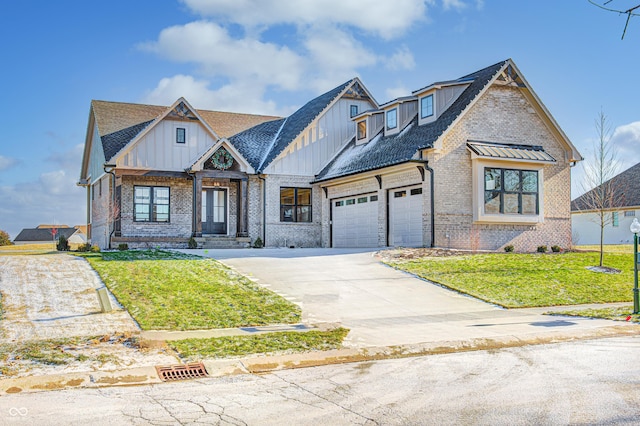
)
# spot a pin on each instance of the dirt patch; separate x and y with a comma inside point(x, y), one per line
point(400, 254)
point(604, 269)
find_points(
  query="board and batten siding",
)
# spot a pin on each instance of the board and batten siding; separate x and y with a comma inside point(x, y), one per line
point(158, 148)
point(96, 157)
point(320, 141)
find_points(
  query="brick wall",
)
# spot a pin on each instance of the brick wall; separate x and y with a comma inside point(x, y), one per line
point(502, 114)
point(286, 234)
point(180, 209)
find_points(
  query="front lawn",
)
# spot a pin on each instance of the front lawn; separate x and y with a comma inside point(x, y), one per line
point(526, 280)
point(170, 291)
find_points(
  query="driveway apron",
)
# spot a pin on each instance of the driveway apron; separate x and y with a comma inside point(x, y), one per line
point(380, 305)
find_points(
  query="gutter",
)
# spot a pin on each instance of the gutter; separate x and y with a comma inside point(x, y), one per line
point(433, 203)
point(264, 210)
point(192, 174)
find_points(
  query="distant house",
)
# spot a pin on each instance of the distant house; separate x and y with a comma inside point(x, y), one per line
point(473, 163)
point(49, 233)
point(586, 229)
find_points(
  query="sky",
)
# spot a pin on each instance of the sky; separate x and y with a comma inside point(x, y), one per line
point(272, 56)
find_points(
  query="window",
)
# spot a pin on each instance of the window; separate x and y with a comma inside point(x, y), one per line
point(362, 129)
point(426, 106)
point(151, 204)
point(392, 118)
point(614, 219)
point(295, 204)
point(416, 191)
point(373, 198)
point(362, 200)
point(181, 135)
point(339, 203)
point(509, 191)
point(399, 194)
point(354, 110)
point(351, 202)
point(629, 213)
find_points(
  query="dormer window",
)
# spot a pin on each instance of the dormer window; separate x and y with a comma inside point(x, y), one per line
point(426, 106)
point(181, 135)
point(362, 129)
point(353, 110)
point(392, 118)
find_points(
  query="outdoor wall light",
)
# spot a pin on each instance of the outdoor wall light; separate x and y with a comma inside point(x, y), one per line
point(635, 228)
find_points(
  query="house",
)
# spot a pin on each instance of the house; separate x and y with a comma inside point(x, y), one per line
point(620, 209)
point(472, 163)
point(45, 234)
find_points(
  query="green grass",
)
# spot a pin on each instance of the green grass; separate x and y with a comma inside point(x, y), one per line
point(222, 347)
point(527, 280)
point(608, 248)
point(617, 314)
point(170, 291)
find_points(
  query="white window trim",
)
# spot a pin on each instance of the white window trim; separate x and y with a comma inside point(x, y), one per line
point(366, 132)
point(386, 120)
point(431, 118)
point(479, 216)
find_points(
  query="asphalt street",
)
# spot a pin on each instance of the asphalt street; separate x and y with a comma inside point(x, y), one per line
point(581, 382)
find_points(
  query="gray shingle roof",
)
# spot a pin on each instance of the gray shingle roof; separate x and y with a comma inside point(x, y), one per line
point(627, 184)
point(35, 234)
point(281, 136)
point(114, 142)
point(383, 151)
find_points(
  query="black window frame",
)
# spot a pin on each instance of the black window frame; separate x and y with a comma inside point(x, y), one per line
point(519, 191)
point(184, 135)
point(292, 212)
point(152, 215)
point(422, 100)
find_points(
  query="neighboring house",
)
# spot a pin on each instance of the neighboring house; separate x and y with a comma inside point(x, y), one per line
point(44, 234)
point(472, 163)
point(586, 223)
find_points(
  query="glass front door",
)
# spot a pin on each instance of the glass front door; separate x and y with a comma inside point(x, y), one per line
point(214, 211)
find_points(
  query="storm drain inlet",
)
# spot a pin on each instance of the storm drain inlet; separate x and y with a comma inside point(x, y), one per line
point(182, 372)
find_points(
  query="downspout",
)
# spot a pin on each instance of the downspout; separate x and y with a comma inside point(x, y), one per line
point(111, 168)
point(433, 203)
point(264, 210)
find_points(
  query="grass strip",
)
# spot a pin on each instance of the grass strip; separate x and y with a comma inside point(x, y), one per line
point(617, 314)
point(165, 290)
point(526, 280)
point(289, 341)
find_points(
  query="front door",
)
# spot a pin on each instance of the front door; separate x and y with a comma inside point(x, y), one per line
point(214, 211)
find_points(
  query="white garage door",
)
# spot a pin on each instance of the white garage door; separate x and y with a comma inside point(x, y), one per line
point(405, 217)
point(355, 221)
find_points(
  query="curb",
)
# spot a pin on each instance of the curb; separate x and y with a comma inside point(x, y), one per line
point(269, 363)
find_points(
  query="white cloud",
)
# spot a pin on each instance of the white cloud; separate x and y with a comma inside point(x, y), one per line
point(386, 19)
point(396, 92)
point(218, 54)
point(238, 97)
point(402, 59)
point(53, 197)
point(626, 141)
point(453, 4)
point(7, 162)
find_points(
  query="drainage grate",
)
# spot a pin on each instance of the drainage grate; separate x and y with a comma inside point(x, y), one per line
point(182, 372)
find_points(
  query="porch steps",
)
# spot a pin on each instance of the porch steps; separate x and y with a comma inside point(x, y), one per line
point(223, 242)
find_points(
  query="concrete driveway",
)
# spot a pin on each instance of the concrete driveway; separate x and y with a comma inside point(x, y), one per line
point(383, 306)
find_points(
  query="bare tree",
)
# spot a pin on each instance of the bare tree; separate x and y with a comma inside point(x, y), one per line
point(604, 4)
point(603, 193)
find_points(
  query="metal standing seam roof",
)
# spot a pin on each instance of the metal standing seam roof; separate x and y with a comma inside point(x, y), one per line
point(513, 152)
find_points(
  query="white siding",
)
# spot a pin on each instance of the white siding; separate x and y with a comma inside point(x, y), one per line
point(446, 96)
point(158, 149)
point(96, 157)
point(585, 228)
point(319, 143)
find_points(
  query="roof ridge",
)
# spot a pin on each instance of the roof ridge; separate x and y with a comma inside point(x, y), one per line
point(273, 142)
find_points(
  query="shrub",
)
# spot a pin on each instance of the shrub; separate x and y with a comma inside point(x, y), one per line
point(4, 238)
point(192, 244)
point(258, 243)
point(95, 249)
point(84, 247)
point(508, 248)
point(123, 246)
point(556, 249)
point(63, 244)
point(542, 249)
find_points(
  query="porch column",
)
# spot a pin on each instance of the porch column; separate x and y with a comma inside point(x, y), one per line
point(243, 216)
point(197, 202)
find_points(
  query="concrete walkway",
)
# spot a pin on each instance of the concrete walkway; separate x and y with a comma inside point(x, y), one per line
point(385, 307)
